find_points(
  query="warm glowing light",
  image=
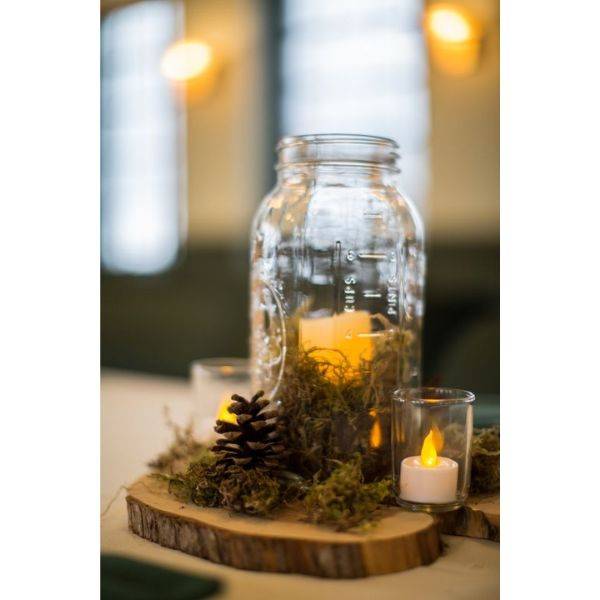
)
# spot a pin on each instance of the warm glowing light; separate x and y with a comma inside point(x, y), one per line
point(449, 24)
point(341, 340)
point(375, 439)
point(454, 39)
point(429, 456)
point(185, 60)
point(223, 414)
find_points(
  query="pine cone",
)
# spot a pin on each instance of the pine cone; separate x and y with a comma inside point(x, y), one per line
point(254, 442)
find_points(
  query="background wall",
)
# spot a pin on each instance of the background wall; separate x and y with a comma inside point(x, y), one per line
point(463, 204)
point(462, 330)
point(198, 309)
point(228, 132)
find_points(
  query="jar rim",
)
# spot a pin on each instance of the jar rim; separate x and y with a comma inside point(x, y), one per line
point(434, 396)
point(333, 138)
point(220, 367)
point(338, 149)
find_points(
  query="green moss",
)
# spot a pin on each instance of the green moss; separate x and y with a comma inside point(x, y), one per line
point(332, 412)
point(485, 467)
point(250, 491)
point(344, 500)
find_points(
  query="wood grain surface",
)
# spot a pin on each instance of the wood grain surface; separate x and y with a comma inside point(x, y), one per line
point(402, 540)
point(480, 518)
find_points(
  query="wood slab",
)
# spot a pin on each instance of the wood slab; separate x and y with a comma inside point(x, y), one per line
point(402, 540)
point(480, 518)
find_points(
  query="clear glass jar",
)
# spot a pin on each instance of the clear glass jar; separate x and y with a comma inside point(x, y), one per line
point(337, 269)
point(432, 434)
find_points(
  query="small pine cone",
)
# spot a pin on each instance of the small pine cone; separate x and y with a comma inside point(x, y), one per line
point(254, 442)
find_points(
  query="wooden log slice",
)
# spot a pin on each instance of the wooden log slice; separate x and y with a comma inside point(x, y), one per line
point(480, 518)
point(402, 540)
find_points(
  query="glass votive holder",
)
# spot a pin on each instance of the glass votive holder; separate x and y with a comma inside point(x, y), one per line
point(431, 447)
point(214, 380)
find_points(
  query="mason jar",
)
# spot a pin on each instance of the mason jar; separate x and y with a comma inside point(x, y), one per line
point(336, 307)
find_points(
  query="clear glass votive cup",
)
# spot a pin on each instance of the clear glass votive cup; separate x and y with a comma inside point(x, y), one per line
point(214, 380)
point(432, 429)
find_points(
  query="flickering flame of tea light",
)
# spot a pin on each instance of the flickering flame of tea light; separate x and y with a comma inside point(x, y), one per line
point(429, 457)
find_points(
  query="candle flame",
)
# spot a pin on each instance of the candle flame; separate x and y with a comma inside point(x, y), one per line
point(223, 413)
point(375, 430)
point(428, 452)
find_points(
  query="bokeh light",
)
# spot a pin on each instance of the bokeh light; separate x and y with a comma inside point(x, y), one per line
point(186, 60)
point(449, 24)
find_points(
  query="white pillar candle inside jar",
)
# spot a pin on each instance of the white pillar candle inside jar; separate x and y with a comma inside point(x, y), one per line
point(429, 478)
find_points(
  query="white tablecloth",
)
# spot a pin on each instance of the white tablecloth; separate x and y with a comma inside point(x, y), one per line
point(134, 431)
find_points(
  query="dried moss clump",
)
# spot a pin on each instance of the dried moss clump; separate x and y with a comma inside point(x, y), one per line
point(199, 483)
point(344, 500)
point(485, 456)
point(205, 483)
point(485, 467)
point(251, 491)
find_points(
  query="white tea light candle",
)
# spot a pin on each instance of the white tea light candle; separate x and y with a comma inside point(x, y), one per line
point(429, 479)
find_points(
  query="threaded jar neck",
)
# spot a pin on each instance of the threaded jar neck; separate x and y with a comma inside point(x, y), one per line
point(341, 149)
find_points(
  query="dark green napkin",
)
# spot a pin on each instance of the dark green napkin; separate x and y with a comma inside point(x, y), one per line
point(126, 579)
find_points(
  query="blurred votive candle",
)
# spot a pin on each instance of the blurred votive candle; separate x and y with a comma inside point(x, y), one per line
point(214, 380)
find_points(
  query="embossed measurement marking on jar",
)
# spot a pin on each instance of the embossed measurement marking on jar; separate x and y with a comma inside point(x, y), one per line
point(392, 296)
point(373, 256)
point(349, 293)
point(375, 216)
point(372, 294)
point(376, 334)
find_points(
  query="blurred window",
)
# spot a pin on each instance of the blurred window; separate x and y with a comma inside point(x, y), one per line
point(359, 66)
point(141, 134)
